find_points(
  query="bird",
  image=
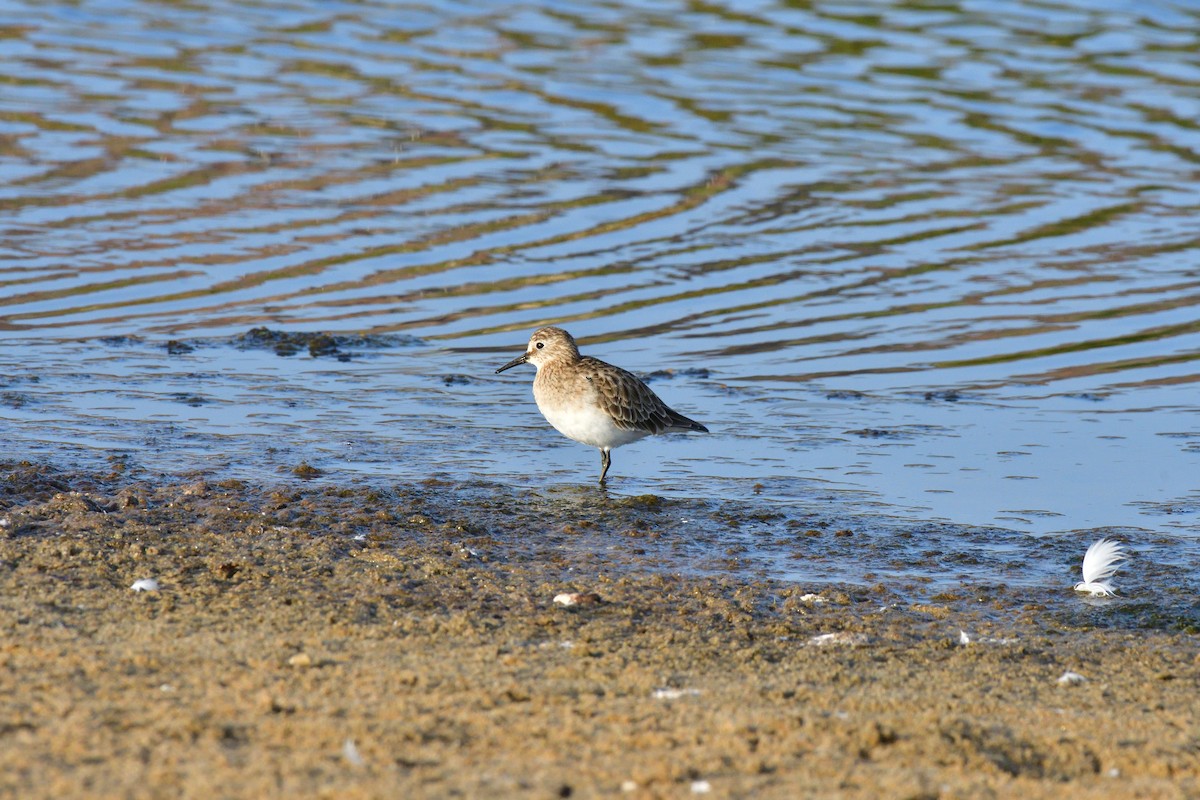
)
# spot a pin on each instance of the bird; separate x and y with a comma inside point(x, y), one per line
point(1099, 564)
point(592, 401)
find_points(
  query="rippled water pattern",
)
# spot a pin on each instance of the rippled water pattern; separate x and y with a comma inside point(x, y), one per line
point(914, 259)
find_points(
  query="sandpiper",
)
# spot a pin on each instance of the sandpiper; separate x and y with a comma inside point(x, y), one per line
point(591, 401)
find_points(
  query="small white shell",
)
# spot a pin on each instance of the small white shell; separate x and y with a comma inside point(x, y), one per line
point(673, 694)
point(145, 585)
point(351, 754)
point(963, 639)
point(1069, 678)
point(841, 637)
point(701, 787)
point(577, 599)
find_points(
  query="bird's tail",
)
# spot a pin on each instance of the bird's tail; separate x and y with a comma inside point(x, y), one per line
point(681, 423)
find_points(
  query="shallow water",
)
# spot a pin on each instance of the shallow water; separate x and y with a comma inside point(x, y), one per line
point(910, 262)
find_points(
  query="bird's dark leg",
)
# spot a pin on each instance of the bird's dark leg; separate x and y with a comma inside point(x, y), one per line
point(605, 462)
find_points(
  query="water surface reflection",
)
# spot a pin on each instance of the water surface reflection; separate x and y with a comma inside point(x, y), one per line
point(939, 261)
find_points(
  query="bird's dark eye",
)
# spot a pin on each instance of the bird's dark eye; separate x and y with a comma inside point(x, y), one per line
point(541, 345)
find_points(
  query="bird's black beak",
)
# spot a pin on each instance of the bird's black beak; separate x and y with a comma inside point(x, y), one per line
point(516, 362)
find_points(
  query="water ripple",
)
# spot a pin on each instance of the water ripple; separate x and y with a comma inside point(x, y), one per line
point(989, 200)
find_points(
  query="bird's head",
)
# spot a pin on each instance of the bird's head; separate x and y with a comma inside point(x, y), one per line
point(546, 345)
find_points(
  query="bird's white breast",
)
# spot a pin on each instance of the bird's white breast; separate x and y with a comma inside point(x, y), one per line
point(575, 412)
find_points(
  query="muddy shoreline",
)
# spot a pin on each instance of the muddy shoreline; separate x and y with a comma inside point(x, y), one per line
point(318, 640)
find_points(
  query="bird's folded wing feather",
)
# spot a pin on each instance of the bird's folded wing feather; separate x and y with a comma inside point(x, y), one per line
point(632, 404)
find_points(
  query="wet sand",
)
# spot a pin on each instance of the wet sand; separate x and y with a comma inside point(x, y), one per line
point(323, 641)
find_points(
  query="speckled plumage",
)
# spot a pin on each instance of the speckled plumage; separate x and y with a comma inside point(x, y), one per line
point(591, 401)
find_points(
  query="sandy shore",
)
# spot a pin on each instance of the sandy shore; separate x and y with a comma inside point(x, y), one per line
point(317, 641)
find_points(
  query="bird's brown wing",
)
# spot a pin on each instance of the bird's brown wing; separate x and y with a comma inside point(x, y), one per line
point(632, 404)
